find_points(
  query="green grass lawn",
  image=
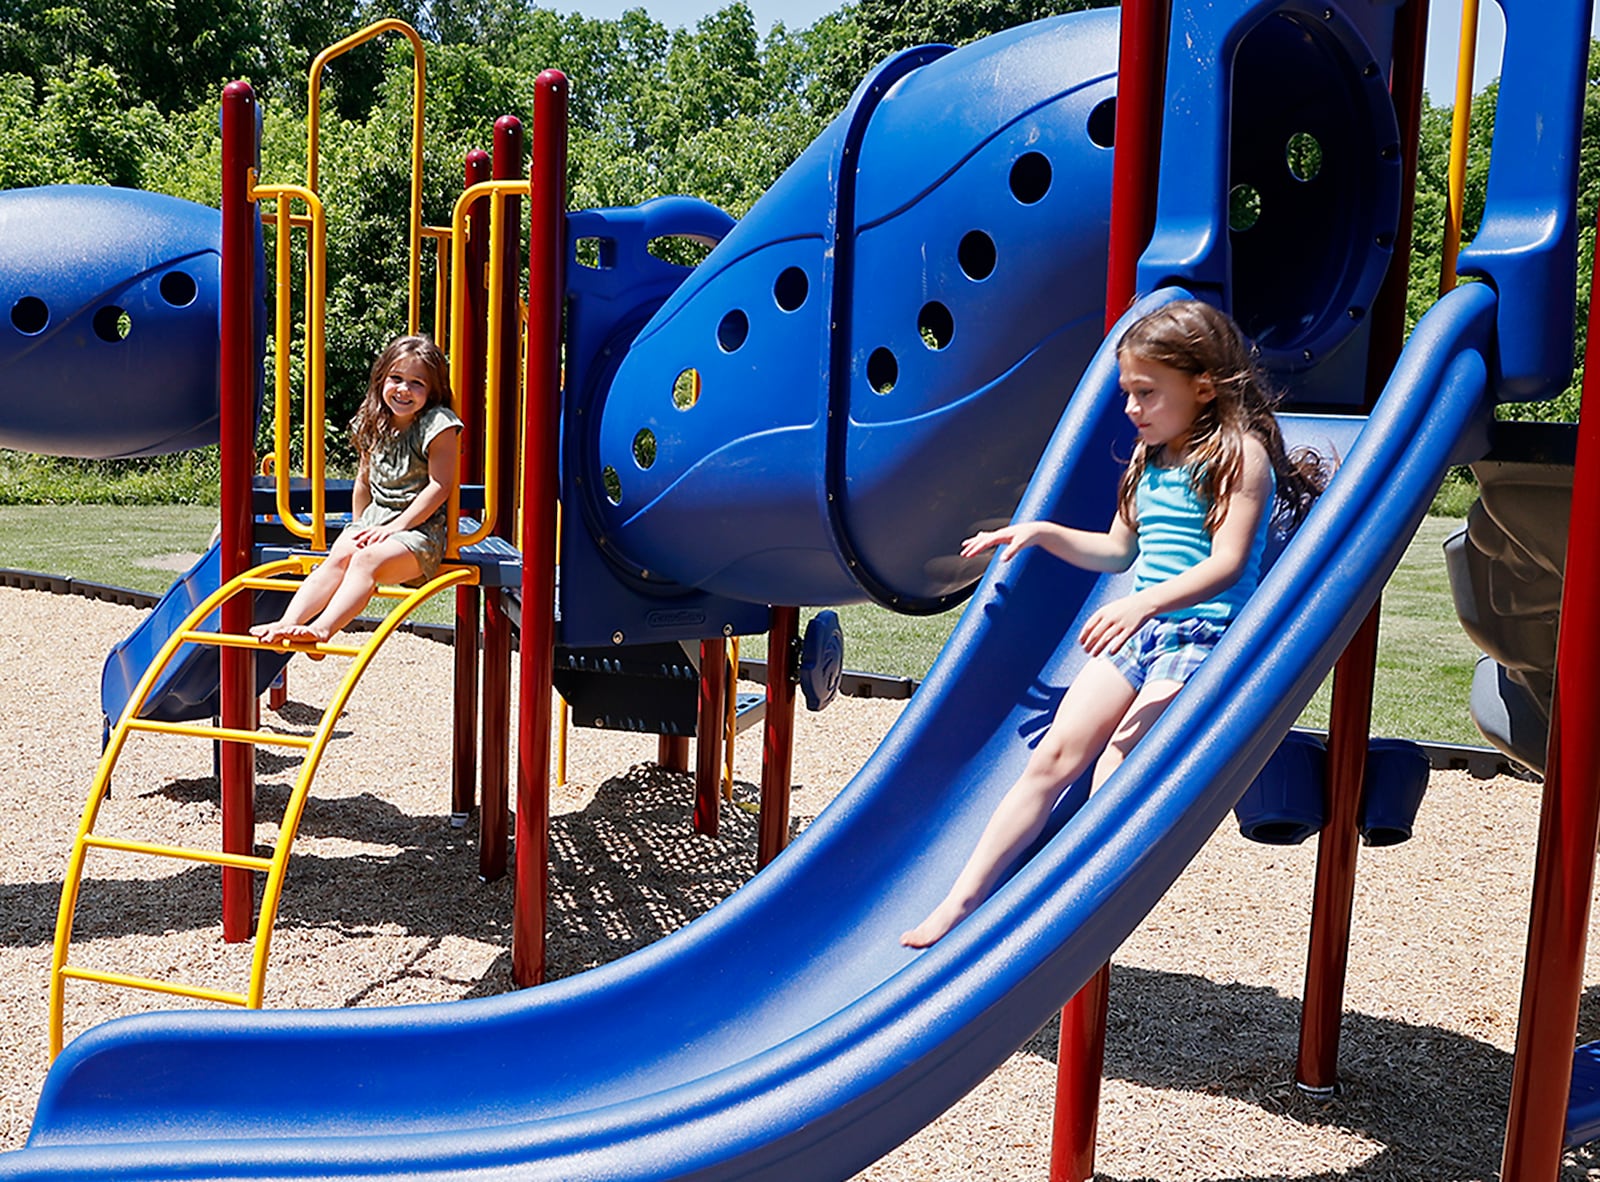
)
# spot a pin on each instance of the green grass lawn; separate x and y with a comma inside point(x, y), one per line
point(1425, 660)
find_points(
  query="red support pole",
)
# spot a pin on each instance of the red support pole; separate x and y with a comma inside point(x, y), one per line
point(546, 295)
point(1328, 954)
point(672, 752)
point(467, 341)
point(238, 367)
point(1569, 826)
point(708, 734)
point(492, 824)
point(777, 746)
point(1141, 84)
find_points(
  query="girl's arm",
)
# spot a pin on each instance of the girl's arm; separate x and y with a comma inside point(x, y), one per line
point(1106, 552)
point(1231, 544)
point(361, 492)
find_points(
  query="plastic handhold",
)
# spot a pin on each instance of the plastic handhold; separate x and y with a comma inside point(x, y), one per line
point(1397, 777)
point(1284, 804)
point(822, 659)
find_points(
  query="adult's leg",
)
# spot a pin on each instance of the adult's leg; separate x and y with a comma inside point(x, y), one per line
point(1089, 712)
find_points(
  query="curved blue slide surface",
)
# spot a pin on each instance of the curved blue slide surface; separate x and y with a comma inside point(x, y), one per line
point(828, 1042)
point(187, 688)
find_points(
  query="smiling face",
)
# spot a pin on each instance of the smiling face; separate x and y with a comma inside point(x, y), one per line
point(405, 390)
point(1160, 401)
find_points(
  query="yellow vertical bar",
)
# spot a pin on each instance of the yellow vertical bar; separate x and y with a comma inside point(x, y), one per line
point(1460, 131)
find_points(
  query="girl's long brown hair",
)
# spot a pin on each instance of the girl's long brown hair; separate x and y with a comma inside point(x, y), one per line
point(374, 422)
point(1196, 339)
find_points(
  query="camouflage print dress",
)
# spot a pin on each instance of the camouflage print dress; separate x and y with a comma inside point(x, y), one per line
point(397, 472)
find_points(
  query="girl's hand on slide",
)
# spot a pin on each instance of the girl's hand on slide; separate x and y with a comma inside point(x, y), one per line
point(1011, 537)
point(1111, 625)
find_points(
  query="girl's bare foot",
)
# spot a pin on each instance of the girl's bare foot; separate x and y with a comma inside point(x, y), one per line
point(938, 924)
point(281, 633)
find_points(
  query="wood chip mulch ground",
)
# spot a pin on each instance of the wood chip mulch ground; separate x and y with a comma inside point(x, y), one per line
point(384, 906)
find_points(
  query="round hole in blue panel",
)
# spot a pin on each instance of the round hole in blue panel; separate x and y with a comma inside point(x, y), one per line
point(936, 325)
point(644, 448)
point(791, 289)
point(179, 289)
point(30, 315)
point(976, 254)
point(612, 483)
point(733, 331)
point(112, 324)
point(883, 370)
point(1103, 123)
point(1030, 177)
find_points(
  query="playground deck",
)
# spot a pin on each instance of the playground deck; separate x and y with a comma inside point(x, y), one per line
point(384, 907)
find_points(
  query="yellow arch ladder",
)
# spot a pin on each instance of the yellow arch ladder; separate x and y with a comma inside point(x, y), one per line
point(273, 576)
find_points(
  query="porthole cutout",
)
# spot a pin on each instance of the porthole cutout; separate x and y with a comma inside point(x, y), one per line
point(179, 289)
point(1304, 156)
point(644, 448)
point(936, 325)
point(883, 371)
point(612, 483)
point(112, 324)
point(1103, 123)
point(791, 289)
point(976, 254)
point(686, 390)
point(30, 315)
point(1030, 177)
point(731, 333)
point(1244, 208)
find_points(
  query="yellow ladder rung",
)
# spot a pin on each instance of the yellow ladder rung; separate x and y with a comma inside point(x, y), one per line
point(255, 583)
point(149, 983)
point(182, 853)
point(234, 640)
point(226, 733)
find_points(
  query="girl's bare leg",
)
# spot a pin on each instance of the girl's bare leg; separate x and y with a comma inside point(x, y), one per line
point(1088, 715)
point(313, 594)
point(1152, 701)
point(383, 562)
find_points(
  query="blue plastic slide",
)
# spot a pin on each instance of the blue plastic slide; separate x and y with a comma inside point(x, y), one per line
point(788, 1026)
point(187, 688)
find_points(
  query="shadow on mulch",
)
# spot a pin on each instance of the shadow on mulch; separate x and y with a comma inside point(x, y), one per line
point(1433, 1099)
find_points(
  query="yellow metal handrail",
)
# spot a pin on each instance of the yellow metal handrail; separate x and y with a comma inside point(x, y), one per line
point(1460, 133)
point(418, 86)
point(316, 531)
point(499, 193)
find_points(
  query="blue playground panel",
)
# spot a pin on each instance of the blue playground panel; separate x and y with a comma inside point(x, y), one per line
point(931, 267)
point(109, 299)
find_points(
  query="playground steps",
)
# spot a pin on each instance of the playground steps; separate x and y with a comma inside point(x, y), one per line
point(275, 578)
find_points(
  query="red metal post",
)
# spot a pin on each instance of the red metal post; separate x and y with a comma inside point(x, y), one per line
point(1569, 826)
point(777, 745)
point(1328, 954)
point(238, 362)
point(467, 341)
point(1141, 85)
point(546, 295)
point(708, 734)
point(672, 752)
point(497, 624)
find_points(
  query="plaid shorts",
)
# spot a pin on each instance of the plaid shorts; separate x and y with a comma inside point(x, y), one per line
point(1166, 650)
